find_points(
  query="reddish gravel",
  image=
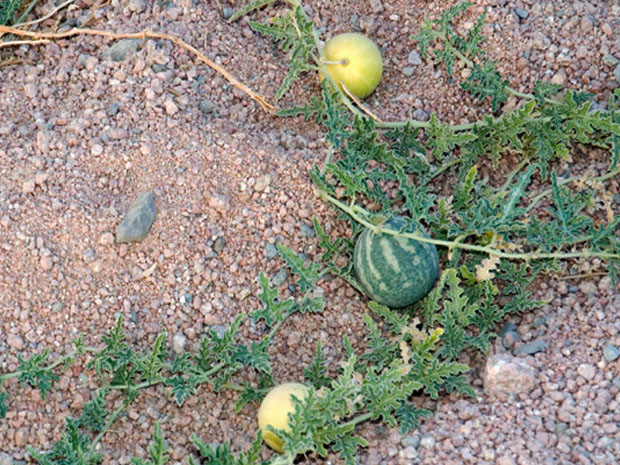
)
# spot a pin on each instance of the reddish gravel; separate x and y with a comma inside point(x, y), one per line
point(81, 136)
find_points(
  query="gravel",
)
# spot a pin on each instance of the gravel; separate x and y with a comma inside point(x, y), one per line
point(89, 124)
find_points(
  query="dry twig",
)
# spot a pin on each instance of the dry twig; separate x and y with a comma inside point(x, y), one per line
point(49, 15)
point(11, 61)
point(359, 103)
point(24, 42)
point(146, 34)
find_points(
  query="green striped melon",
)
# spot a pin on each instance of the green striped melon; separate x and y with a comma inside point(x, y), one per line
point(395, 271)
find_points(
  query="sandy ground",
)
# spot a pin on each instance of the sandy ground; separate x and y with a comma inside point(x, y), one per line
point(81, 136)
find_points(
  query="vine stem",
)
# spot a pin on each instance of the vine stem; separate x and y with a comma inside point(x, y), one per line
point(511, 176)
point(561, 182)
point(108, 424)
point(355, 210)
point(53, 365)
point(357, 419)
point(509, 89)
point(445, 167)
point(203, 377)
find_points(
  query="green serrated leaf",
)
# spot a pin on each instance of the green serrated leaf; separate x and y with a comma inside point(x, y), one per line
point(346, 446)
point(94, 413)
point(307, 276)
point(151, 364)
point(251, 394)
point(274, 310)
point(255, 355)
point(182, 386)
point(443, 138)
point(4, 407)
point(408, 417)
point(395, 322)
point(33, 372)
point(316, 372)
point(72, 449)
point(486, 82)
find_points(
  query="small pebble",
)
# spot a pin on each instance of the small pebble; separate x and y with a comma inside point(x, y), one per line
point(427, 442)
point(509, 327)
point(307, 230)
point(521, 13)
point(205, 106)
point(219, 245)
point(411, 441)
point(227, 12)
point(15, 341)
point(559, 78)
point(220, 330)
point(587, 24)
point(507, 374)
point(611, 353)
point(138, 220)
point(586, 370)
point(271, 250)
point(112, 109)
point(122, 49)
point(90, 255)
point(28, 186)
point(414, 58)
point(279, 277)
point(106, 238)
point(262, 183)
point(421, 115)
point(610, 60)
point(170, 107)
point(179, 342)
point(506, 460)
point(376, 6)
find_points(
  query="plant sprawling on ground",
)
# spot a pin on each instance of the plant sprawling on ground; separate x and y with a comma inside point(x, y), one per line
point(493, 239)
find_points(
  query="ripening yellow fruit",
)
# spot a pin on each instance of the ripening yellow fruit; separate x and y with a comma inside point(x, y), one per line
point(353, 60)
point(274, 411)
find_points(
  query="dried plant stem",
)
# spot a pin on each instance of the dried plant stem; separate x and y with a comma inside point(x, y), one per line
point(24, 42)
point(40, 20)
point(360, 105)
point(583, 275)
point(26, 12)
point(145, 34)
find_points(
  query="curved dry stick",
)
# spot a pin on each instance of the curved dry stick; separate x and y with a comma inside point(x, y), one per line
point(24, 42)
point(49, 15)
point(266, 106)
point(358, 102)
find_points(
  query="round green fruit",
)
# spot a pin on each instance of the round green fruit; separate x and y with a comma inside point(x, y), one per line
point(395, 271)
point(353, 60)
point(274, 411)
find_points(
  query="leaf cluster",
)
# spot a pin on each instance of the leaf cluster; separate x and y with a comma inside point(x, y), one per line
point(294, 32)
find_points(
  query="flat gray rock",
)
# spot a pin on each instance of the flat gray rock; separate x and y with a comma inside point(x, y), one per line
point(120, 49)
point(138, 220)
